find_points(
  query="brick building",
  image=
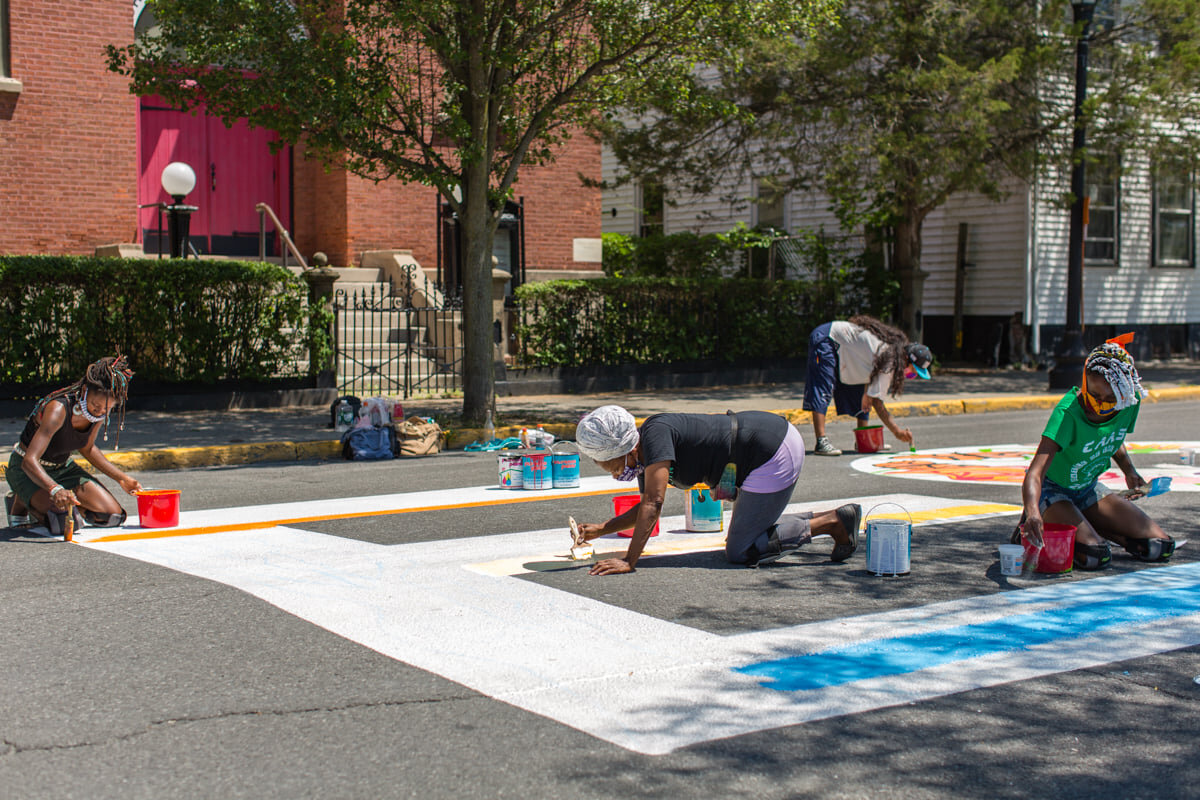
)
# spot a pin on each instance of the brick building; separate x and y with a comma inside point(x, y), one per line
point(79, 155)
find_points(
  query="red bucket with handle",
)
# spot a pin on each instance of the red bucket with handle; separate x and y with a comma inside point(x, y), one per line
point(158, 508)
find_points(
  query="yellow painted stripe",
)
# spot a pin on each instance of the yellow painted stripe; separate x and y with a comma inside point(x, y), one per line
point(952, 512)
point(696, 543)
point(163, 533)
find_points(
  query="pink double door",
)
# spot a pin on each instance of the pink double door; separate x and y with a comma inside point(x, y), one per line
point(235, 170)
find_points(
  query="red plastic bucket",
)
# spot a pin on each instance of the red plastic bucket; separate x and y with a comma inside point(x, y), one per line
point(869, 439)
point(1058, 552)
point(624, 502)
point(158, 508)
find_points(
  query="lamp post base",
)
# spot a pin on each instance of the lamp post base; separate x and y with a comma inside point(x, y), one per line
point(1068, 362)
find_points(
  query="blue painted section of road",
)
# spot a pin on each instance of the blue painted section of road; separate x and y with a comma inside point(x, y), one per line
point(899, 655)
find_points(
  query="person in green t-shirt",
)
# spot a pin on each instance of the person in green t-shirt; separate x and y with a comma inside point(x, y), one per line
point(1085, 432)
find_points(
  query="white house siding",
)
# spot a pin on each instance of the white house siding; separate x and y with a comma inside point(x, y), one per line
point(1130, 293)
point(997, 245)
point(622, 200)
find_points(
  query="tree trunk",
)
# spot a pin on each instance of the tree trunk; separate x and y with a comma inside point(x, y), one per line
point(906, 261)
point(477, 232)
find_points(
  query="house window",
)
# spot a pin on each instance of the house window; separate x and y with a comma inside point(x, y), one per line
point(650, 207)
point(1103, 192)
point(1174, 212)
point(5, 65)
point(769, 206)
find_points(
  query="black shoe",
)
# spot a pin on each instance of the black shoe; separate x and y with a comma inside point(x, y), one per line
point(1092, 557)
point(850, 516)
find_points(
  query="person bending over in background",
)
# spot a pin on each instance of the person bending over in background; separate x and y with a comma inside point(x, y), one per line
point(853, 364)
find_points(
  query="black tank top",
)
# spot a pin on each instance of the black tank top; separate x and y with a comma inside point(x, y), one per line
point(65, 441)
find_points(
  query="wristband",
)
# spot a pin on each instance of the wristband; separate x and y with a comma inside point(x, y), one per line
point(58, 487)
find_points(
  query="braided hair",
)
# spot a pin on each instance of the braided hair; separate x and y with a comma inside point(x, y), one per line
point(1112, 362)
point(109, 375)
point(891, 357)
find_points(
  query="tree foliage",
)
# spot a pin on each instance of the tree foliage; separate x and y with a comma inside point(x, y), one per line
point(902, 103)
point(452, 94)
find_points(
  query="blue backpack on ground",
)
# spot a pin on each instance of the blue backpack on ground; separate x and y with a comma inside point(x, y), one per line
point(369, 444)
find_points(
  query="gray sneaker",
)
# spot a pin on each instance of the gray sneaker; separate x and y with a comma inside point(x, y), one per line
point(824, 448)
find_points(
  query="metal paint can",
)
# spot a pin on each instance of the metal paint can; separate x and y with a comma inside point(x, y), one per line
point(702, 511)
point(564, 465)
point(511, 476)
point(535, 470)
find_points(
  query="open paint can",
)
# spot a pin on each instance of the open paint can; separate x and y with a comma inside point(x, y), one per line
point(702, 511)
point(510, 471)
point(889, 544)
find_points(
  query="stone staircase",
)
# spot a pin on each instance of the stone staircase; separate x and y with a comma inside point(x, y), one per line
point(393, 335)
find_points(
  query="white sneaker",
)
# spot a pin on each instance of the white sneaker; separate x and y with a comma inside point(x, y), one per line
point(825, 448)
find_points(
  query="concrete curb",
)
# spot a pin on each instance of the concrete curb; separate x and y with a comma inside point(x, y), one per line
point(192, 457)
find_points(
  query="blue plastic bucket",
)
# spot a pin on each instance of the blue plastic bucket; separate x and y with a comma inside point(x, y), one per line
point(564, 466)
point(535, 470)
point(702, 511)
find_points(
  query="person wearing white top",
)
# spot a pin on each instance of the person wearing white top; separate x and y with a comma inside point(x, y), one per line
point(853, 364)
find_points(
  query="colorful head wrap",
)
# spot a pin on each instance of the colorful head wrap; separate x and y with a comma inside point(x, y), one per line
point(1112, 362)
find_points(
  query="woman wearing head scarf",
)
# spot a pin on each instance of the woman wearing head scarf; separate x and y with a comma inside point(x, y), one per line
point(853, 364)
point(40, 470)
point(1086, 432)
point(752, 457)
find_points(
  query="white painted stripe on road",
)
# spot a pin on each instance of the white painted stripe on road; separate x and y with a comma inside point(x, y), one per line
point(640, 682)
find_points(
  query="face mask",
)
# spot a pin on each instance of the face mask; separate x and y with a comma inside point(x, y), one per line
point(1096, 406)
point(630, 473)
point(82, 410)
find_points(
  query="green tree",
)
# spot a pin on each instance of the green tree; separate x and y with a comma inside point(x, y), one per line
point(902, 103)
point(454, 94)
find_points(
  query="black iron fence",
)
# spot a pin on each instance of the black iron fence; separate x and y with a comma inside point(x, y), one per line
point(397, 343)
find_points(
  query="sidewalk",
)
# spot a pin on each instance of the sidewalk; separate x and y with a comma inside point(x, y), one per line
point(165, 440)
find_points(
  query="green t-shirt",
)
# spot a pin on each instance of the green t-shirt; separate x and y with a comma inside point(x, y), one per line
point(1086, 447)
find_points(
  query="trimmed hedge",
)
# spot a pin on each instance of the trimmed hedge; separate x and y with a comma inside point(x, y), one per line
point(177, 320)
point(663, 320)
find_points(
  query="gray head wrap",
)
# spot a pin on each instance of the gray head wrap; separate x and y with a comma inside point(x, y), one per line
point(608, 432)
point(1115, 365)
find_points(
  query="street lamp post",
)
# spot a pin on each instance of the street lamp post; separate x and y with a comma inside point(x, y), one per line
point(178, 180)
point(1068, 361)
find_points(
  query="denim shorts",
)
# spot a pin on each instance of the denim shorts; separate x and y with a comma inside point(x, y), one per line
point(1082, 499)
point(821, 383)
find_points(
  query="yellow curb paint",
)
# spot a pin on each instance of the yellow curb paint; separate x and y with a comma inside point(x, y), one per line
point(163, 533)
point(1176, 393)
point(927, 408)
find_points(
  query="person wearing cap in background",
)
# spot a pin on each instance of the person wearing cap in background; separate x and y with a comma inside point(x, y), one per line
point(1086, 431)
point(752, 457)
point(853, 363)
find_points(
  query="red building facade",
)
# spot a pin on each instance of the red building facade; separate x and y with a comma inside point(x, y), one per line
point(79, 154)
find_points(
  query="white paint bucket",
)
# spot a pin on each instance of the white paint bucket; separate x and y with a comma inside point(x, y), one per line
point(702, 511)
point(889, 544)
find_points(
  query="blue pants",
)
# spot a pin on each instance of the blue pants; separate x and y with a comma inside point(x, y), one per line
point(821, 384)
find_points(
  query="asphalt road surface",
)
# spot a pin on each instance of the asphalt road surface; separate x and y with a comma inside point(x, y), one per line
point(258, 661)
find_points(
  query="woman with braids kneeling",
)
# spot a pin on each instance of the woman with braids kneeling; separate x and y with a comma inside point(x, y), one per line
point(42, 475)
point(1085, 432)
